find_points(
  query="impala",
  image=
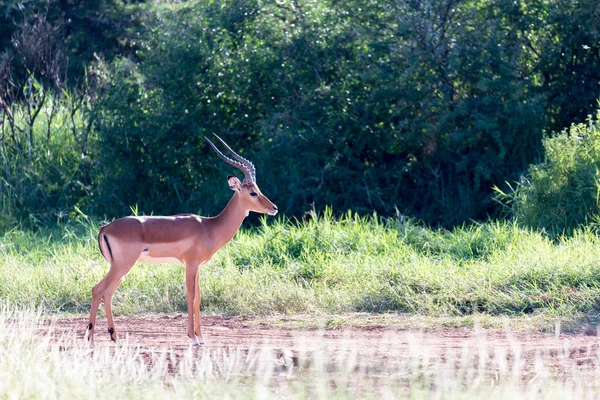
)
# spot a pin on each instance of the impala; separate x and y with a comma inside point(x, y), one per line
point(185, 239)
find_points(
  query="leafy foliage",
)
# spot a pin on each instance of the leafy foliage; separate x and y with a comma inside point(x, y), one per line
point(419, 106)
point(369, 107)
point(46, 168)
point(562, 192)
point(90, 29)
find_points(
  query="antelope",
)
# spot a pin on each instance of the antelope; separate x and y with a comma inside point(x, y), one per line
point(186, 239)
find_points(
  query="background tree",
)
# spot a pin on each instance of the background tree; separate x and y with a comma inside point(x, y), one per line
point(417, 107)
point(420, 106)
point(89, 29)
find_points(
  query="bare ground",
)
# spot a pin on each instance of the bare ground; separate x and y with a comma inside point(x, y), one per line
point(562, 356)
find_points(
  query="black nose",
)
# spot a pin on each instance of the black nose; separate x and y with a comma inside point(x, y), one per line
point(275, 207)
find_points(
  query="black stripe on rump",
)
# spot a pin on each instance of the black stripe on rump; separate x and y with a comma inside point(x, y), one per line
point(108, 245)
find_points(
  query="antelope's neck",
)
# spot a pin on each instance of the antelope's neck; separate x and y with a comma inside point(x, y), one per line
point(228, 222)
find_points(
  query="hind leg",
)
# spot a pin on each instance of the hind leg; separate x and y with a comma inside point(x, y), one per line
point(104, 291)
point(97, 293)
point(107, 299)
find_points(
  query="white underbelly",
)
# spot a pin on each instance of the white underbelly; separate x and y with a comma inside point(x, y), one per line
point(145, 258)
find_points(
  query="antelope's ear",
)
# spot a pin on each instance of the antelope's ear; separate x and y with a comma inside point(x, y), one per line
point(234, 183)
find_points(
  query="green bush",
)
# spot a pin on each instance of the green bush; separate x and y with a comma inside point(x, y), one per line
point(102, 28)
point(337, 103)
point(419, 107)
point(563, 191)
point(45, 163)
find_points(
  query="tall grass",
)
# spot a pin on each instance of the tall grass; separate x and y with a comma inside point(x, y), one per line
point(325, 265)
point(39, 363)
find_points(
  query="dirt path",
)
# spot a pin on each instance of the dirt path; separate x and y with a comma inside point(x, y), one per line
point(369, 345)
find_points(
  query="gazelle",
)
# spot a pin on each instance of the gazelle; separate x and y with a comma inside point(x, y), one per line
point(186, 239)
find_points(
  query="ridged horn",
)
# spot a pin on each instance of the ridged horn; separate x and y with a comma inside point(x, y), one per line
point(244, 165)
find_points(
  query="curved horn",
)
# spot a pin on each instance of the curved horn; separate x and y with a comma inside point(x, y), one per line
point(248, 170)
point(242, 160)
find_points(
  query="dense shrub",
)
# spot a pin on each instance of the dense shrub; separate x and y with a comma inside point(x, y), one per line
point(99, 28)
point(46, 128)
point(376, 106)
point(45, 167)
point(563, 191)
point(419, 107)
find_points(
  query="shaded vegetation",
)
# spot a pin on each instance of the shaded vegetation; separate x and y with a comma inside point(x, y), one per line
point(417, 107)
point(89, 29)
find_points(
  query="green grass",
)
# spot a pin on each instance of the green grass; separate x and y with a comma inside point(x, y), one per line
point(321, 272)
point(325, 265)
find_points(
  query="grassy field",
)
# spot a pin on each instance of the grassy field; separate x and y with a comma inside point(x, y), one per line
point(325, 266)
point(335, 272)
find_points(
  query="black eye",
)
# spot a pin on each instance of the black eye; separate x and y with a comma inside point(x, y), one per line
point(253, 194)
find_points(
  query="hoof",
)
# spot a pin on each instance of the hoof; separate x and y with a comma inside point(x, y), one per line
point(197, 341)
point(89, 335)
point(113, 335)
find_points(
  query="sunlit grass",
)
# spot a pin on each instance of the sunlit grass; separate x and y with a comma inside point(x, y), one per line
point(325, 265)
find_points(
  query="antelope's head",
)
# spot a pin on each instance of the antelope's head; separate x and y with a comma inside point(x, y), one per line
point(250, 195)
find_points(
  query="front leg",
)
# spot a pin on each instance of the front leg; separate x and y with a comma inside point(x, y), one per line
point(190, 285)
point(197, 298)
